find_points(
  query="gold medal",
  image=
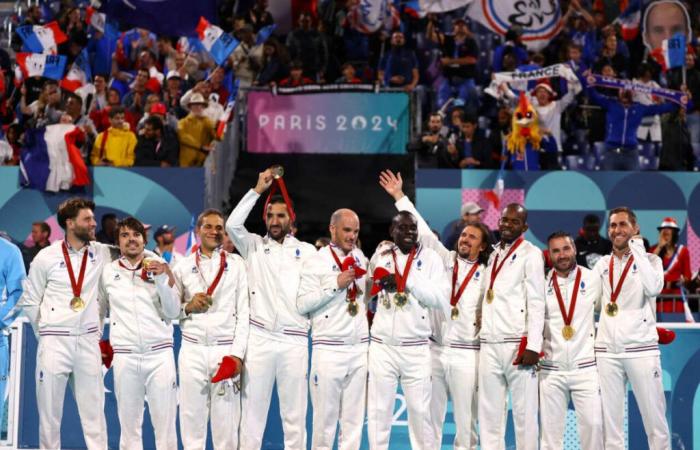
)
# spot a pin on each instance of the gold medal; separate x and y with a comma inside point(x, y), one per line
point(77, 304)
point(352, 308)
point(567, 332)
point(489, 296)
point(455, 313)
point(145, 263)
point(277, 171)
point(611, 309)
point(400, 299)
point(210, 300)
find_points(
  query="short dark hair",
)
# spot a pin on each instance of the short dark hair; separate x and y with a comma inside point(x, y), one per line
point(208, 212)
point(591, 219)
point(117, 109)
point(132, 223)
point(557, 235)
point(70, 209)
point(107, 216)
point(155, 122)
point(470, 118)
point(45, 228)
point(280, 199)
point(624, 209)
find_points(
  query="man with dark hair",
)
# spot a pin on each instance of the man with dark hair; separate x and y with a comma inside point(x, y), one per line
point(568, 367)
point(627, 344)
point(135, 100)
point(415, 287)
point(306, 44)
point(60, 300)
point(115, 146)
point(432, 143)
point(40, 236)
point(152, 147)
point(511, 333)
point(399, 66)
point(590, 245)
point(144, 364)
point(675, 258)
point(214, 323)
point(108, 229)
point(455, 339)
point(278, 344)
point(476, 149)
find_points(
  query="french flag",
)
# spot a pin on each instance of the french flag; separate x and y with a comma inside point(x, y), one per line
point(629, 20)
point(79, 74)
point(50, 159)
point(42, 38)
point(219, 44)
point(98, 21)
point(225, 118)
point(41, 65)
point(671, 54)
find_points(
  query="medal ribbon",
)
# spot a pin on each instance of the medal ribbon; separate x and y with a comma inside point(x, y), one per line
point(497, 268)
point(567, 318)
point(454, 298)
point(215, 283)
point(401, 279)
point(352, 291)
point(76, 286)
point(615, 291)
point(144, 275)
point(278, 184)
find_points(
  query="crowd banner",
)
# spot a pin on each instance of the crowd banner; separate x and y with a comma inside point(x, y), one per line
point(328, 122)
point(667, 94)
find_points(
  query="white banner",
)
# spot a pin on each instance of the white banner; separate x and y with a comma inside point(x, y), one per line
point(439, 6)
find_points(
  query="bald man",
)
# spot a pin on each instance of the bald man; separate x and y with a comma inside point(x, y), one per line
point(663, 19)
point(512, 325)
point(334, 297)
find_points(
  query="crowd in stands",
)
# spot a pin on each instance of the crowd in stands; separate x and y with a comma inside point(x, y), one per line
point(157, 99)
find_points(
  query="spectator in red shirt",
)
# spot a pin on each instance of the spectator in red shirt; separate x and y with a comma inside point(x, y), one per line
point(296, 76)
point(676, 262)
point(348, 71)
point(101, 117)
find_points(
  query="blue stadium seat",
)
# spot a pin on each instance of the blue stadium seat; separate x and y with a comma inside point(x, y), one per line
point(573, 162)
point(598, 149)
point(696, 149)
point(590, 162)
point(647, 149)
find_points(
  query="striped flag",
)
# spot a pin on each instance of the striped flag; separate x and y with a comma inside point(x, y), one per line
point(686, 309)
point(629, 20)
point(191, 238)
point(39, 64)
point(42, 38)
point(671, 54)
point(219, 44)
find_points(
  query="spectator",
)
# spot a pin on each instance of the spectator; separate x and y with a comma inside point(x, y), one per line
point(166, 53)
point(101, 117)
point(153, 147)
point(165, 244)
point(41, 232)
point(650, 128)
point(108, 229)
point(135, 100)
point(196, 133)
point(99, 99)
point(173, 94)
point(621, 141)
point(590, 245)
point(458, 61)
point(574, 56)
point(399, 66)
point(432, 143)
point(14, 132)
point(245, 59)
point(349, 77)
point(676, 263)
point(692, 81)
point(213, 109)
point(272, 65)
point(476, 149)
point(47, 109)
point(258, 16)
point(513, 45)
point(169, 121)
point(115, 146)
point(610, 54)
point(308, 46)
point(676, 149)
point(296, 76)
point(34, 16)
point(216, 81)
point(74, 108)
point(470, 214)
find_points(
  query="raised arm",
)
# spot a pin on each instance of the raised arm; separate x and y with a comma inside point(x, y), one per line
point(235, 225)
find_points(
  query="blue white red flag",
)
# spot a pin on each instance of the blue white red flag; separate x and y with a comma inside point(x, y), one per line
point(42, 38)
point(41, 65)
point(218, 43)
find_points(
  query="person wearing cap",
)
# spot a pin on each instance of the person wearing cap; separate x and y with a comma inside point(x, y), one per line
point(213, 109)
point(165, 248)
point(245, 59)
point(196, 133)
point(278, 342)
point(174, 87)
point(590, 245)
point(470, 214)
point(627, 342)
point(154, 147)
point(675, 258)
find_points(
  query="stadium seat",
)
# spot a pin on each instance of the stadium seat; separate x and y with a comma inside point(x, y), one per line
point(590, 162)
point(573, 162)
point(647, 149)
point(598, 149)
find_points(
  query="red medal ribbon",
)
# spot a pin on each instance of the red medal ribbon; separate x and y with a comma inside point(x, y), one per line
point(144, 274)
point(278, 185)
point(401, 279)
point(76, 286)
point(454, 298)
point(215, 283)
point(615, 290)
point(352, 291)
point(496, 268)
point(567, 318)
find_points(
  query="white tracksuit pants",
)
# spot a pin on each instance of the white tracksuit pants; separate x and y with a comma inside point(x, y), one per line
point(556, 389)
point(202, 402)
point(147, 376)
point(387, 365)
point(645, 376)
point(497, 375)
point(77, 359)
point(268, 360)
point(454, 373)
point(338, 386)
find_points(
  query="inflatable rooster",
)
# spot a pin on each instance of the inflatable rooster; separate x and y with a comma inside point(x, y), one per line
point(524, 139)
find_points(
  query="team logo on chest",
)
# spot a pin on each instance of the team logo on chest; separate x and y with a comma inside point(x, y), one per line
point(117, 277)
point(297, 254)
point(194, 269)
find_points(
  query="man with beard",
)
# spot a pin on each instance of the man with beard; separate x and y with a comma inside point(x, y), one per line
point(511, 334)
point(455, 340)
point(278, 343)
point(415, 283)
point(568, 367)
point(60, 301)
point(333, 292)
point(627, 342)
point(142, 299)
point(214, 323)
point(165, 238)
point(399, 67)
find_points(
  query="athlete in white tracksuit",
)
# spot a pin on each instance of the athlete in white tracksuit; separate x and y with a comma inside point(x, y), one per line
point(516, 311)
point(68, 340)
point(627, 343)
point(209, 335)
point(278, 343)
point(340, 337)
point(568, 367)
point(141, 307)
point(455, 342)
point(399, 349)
